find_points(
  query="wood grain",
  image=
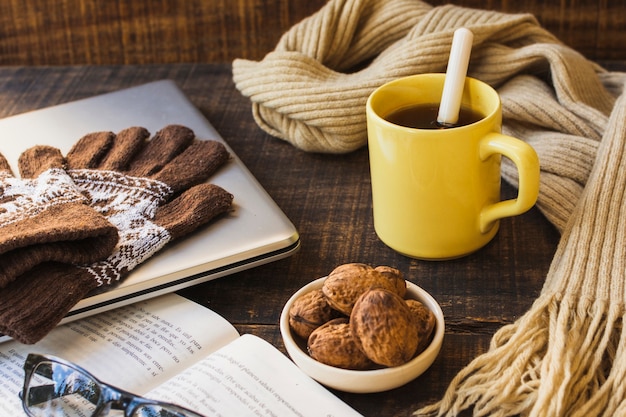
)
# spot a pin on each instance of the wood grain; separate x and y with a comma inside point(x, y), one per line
point(328, 198)
point(75, 32)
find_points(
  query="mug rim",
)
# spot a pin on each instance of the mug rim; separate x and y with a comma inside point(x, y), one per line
point(439, 77)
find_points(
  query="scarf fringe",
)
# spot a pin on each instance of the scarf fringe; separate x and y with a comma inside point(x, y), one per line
point(560, 359)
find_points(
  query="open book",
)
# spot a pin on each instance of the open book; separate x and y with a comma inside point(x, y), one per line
point(174, 350)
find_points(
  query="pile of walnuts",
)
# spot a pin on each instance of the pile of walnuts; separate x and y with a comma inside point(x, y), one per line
point(360, 319)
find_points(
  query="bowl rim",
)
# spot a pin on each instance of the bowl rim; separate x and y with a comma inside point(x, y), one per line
point(364, 381)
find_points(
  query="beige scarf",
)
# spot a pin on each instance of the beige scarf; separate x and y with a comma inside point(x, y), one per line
point(566, 355)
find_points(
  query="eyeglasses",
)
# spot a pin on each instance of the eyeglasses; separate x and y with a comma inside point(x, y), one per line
point(54, 387)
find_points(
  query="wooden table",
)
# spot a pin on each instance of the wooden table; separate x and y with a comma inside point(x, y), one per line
point(328, 198)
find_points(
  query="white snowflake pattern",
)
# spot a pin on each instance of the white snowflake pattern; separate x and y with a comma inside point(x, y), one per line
point(129, 203)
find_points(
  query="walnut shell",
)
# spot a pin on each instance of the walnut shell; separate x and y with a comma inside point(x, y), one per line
point(385, 328)
point(333, 344)
point(425, 320)
point(308, 312)
point(396, 277)
point(347, 282)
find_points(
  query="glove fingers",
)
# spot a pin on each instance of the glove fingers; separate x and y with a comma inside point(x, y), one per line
point(4, 164)
point(161, 149)
point(38, 159)
point(89, 151)
point(197, 163)
point(126, 146)
point(195, 207)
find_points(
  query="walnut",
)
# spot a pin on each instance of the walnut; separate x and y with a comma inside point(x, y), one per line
point(347, 282)
point(334, 345)
point(396, 278)
point(425, 320)
point(384, 327)
point(308, 312)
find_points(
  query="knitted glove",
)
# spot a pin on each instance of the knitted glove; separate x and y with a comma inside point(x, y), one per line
point(44, 217)
point(153, 191)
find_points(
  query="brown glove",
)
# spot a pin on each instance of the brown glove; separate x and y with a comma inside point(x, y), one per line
point(44, 217)
point(152, 191)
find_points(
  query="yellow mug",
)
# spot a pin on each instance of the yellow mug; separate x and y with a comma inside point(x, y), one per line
point(436, 192)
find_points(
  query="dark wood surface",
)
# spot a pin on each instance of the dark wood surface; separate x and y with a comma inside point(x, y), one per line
point(328, 198)
point(70, 32)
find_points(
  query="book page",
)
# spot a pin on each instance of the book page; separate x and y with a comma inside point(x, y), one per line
point(135, 347)
point(250, 377)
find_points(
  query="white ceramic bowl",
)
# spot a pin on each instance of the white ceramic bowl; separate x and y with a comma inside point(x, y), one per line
point(367, 381)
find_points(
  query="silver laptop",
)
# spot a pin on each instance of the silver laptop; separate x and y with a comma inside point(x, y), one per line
point(255, 233)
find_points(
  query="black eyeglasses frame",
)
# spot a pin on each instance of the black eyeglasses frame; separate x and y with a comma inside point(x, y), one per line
point(110, 398)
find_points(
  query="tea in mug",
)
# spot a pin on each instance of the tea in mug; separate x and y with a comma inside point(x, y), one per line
point(424, 116)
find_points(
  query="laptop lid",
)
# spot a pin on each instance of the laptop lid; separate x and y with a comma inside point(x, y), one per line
point(254, 233)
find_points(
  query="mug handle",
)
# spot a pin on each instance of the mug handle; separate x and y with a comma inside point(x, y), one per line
point(527, 162)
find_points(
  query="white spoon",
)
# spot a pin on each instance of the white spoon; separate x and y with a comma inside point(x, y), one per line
point(455, 77)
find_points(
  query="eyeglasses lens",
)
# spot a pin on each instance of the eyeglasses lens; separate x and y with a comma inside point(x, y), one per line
point(59, 390)
point(156, 411)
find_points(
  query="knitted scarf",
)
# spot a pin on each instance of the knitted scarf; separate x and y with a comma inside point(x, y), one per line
point(567, 355)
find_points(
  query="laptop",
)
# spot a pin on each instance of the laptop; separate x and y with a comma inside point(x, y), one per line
point(254, 233)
